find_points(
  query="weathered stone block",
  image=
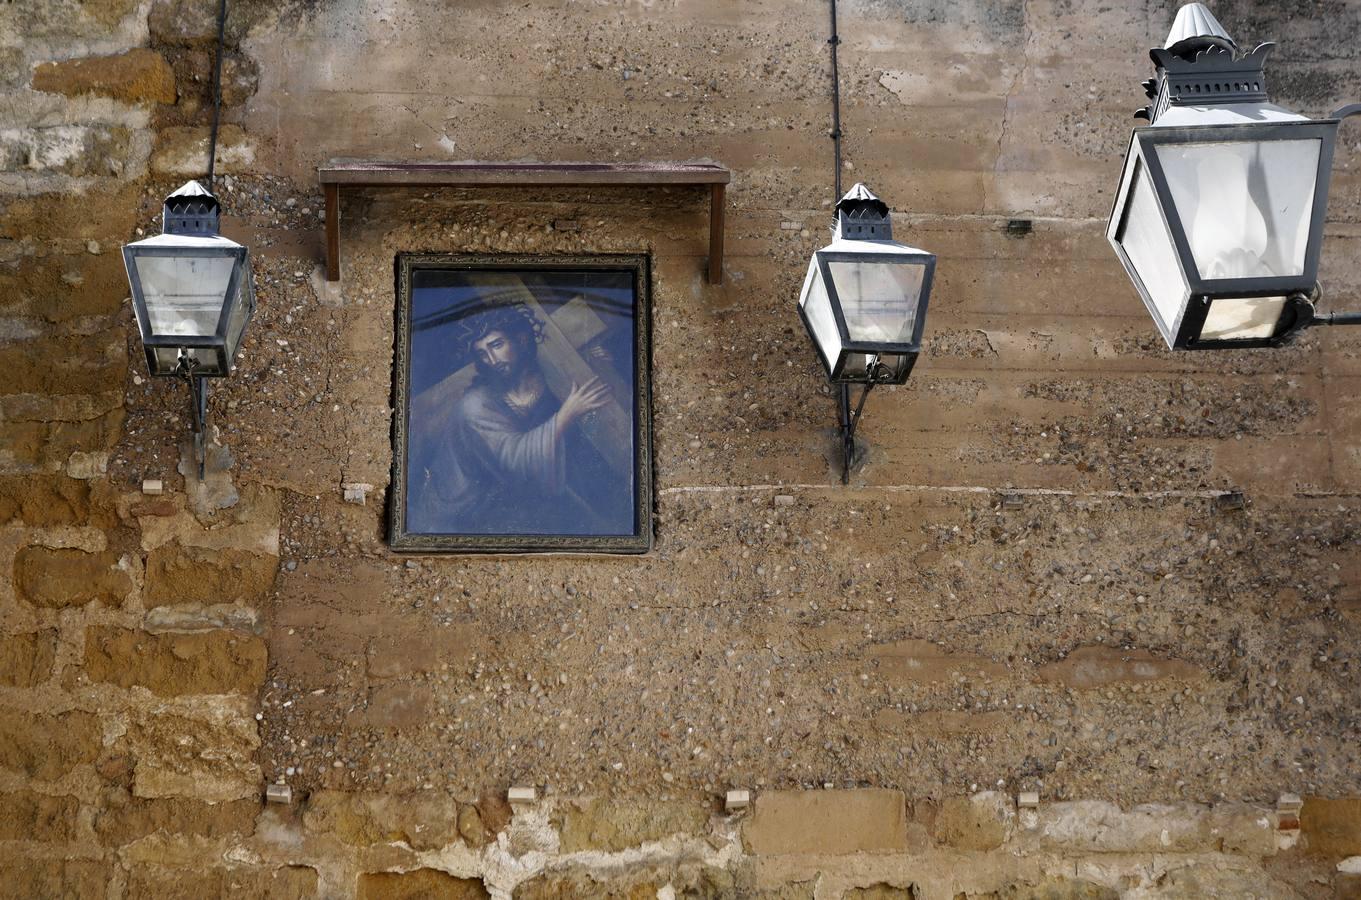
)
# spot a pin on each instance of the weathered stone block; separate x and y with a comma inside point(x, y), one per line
point(177, 574)
point(162, 883)
point(57, 578)
point(422, 884)
point(1331, 827)
point(287, 883)
point(423, 822)
point(60, 288)
point(1088, 826)
point(617, 824)
point(827, 822)
point(100, 215)
point(47, 747)
point(75, 879)
point(64, 364)
point(982, 822)
point(210, 662)
point(690, 881)
point(135, 818)
point(26, 659)
point(203, 749)
point(47, 500)
point(138, 76)
point(67, 149)
point(181, 151)
point(880, 892)
point(28, 816)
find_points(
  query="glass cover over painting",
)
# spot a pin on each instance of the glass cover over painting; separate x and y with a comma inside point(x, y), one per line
point(522, 390)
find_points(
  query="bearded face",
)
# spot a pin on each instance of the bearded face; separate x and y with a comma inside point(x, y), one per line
point(499, 356)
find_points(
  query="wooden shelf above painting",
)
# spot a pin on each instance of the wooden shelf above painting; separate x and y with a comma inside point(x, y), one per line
point(359, 173)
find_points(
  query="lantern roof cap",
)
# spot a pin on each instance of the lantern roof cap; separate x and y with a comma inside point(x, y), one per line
point(1228, 114)
point(860, 197)
point(190, 241)
point(1195, 29)
point(851, 245)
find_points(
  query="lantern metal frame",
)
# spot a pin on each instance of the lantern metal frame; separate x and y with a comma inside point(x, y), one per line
point(1200, 292)
point(239, 290)
point(1201, 76)
point(910, 350)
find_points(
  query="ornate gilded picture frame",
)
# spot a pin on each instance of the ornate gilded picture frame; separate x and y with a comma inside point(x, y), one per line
point(523, 404)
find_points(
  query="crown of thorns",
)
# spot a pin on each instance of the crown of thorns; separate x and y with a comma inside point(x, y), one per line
point(513, 319)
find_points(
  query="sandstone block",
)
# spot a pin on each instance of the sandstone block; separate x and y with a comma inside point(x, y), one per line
point(827, 822)
point(1331, 827)
point(1097, 826)
point(183, 151)
point(108, 214)
point(26, 659)
point(286, 883)
point(202, 750)
point(984, 821)
point(28, 816)
point(210, 662)
point(177, 574)
point(29, 878)
point(76, 150)
point(138, 76)
point(60, 288)
point(689, 881)
point(47, 500)
point(67, 577)
point(134, 818)
point(161, 883)
point(617, 824)
point(421, 884)
point(879, 892)
point(423, 822)
point(470, 826)
point(47, 747)
point(64, 364)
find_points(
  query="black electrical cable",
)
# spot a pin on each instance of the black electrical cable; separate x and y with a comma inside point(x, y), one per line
point(217, 91)
point(834, 41)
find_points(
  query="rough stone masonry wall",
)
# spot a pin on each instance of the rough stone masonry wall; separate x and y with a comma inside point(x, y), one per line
point(886, 666)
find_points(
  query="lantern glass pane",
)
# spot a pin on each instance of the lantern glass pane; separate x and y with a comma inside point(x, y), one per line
point(184, 294)
point(168, 358)
point(818, 310)
point(241, 312)
point(1245, 205)
point(878, 299)
point(1147, 243)
point(1242, 318)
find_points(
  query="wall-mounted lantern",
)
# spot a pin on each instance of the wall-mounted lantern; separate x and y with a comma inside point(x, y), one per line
point(864, 297)
point(1219, 216)
point(193, 296)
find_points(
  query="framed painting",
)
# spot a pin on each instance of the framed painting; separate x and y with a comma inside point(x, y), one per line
point(523, 405)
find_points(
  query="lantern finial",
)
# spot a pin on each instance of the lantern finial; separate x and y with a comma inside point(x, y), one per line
point(1197, 29)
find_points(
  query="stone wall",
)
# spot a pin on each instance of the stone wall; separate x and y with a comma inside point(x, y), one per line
point(887, 666)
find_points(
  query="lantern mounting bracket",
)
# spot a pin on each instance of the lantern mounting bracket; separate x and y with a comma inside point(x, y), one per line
point(198, 403)
point(877, 373)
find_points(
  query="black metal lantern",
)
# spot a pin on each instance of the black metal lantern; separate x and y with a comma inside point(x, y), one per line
point(193, 295)
point(864, 298)
point(1219, 216)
